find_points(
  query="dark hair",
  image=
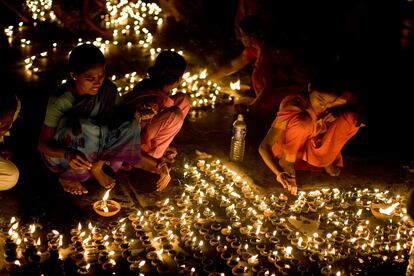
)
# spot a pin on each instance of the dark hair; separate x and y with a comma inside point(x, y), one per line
point(8, 102)
point(329, 80)
point(83, 57)
point(168, 68)
point(253, 25)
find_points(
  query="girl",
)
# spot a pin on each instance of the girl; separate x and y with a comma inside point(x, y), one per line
point(308, 128)
point(80, 133)
point(166, 113)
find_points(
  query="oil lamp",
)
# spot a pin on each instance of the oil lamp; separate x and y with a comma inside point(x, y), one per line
point(105, 207)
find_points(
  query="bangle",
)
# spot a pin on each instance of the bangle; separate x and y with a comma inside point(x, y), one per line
point(278, 177)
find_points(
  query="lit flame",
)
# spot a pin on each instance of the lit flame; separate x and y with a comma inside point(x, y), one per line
point(235, 85)
point(300, 241)
point(203, 74)
point(141, 263)
point(389, 210)
point(106, 196)
point(253, 258)
point(15, 226)
point(289, 250)
point(88, 266)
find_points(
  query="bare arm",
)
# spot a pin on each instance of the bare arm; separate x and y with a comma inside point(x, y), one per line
point(11, 7)
point(232, 67)
point(265, 150)
point(47, 145)
point(286, 178)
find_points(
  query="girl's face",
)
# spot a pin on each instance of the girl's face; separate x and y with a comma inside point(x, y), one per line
point(321, 101)
point(91, 80)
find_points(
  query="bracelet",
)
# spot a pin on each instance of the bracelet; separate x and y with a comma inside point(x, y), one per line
point(278, 177)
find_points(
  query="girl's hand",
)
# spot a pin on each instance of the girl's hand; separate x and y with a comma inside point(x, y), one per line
point(165, 177)
point(288, 182)
point(77, 160)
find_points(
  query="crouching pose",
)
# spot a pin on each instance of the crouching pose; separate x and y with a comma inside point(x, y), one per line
point(9, 110)
point(81, 131)
point(311, 127)
point(161, 114)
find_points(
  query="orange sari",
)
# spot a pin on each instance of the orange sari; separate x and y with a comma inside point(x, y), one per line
point(308, 137)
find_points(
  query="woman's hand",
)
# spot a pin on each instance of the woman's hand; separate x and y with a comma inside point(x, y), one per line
point(77, 160)
point(288, 182)
point(165, 177)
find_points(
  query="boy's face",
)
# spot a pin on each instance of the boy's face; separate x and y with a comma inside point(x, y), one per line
point(6, 121)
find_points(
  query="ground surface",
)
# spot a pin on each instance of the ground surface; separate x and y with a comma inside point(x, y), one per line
point(38, 196)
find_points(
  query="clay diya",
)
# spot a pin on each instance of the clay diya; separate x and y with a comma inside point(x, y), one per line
point(382, 211)
point(105, 207)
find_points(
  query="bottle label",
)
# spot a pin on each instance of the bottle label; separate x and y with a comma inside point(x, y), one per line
point(239, 132)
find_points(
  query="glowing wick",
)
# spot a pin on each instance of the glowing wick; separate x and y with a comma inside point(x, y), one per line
point(389, 210)
point(203, 74)
point(104, 204)
point(235, 85)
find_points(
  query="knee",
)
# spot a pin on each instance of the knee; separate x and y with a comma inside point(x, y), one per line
point(349, 116)
point(347, 120)
point(9, 176)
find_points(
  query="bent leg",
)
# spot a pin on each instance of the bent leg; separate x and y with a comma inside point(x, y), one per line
point(337, 135)
point(158, 135)
point(122, 145)
point(9, 174)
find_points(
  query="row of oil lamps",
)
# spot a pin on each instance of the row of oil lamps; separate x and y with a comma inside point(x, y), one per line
point(217, 222)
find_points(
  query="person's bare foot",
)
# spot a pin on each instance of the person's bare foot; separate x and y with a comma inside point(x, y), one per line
point(103, 179)
point(73, 187)
point(333, 170)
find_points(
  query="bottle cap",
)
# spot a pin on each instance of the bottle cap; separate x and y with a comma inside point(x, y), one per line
point(240, 117)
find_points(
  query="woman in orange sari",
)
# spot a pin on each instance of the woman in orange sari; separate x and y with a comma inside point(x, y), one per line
point(311, 127)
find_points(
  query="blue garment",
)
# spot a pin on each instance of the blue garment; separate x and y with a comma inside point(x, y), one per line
point(92, 125)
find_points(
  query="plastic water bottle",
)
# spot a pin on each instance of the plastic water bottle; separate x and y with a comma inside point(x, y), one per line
point(238, 139)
